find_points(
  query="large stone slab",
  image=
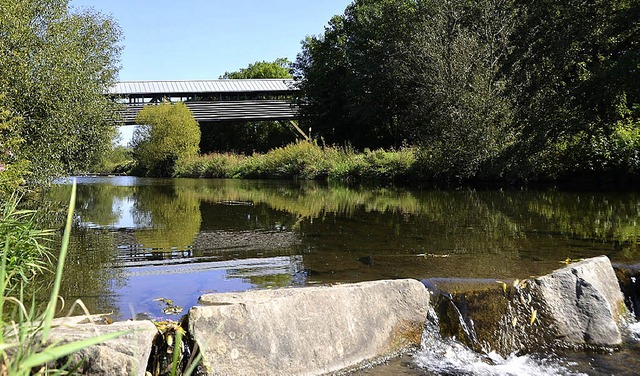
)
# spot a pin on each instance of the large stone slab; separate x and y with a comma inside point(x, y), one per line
point(582, 303)
point(126, 355)
point(308, 331)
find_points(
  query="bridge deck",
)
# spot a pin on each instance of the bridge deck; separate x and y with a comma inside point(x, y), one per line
point(220, 111)
point(213, 100)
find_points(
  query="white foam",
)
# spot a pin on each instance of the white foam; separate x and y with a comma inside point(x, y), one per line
point(448, 356)
point(455, 358)
point(634, 329)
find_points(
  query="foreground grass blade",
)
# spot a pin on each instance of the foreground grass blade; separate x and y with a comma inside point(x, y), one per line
point(51, 308)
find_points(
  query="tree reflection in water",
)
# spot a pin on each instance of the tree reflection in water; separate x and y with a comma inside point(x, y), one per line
point(325, 234)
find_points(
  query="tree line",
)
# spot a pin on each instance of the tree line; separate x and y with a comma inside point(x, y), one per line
point(485, 90)
point(489, 89)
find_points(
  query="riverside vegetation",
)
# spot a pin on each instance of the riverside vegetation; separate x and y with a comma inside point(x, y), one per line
point(24, 330)
point(304, 160)
point(477, 91)
point(508, 91)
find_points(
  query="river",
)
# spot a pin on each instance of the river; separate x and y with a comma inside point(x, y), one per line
point(137, 240)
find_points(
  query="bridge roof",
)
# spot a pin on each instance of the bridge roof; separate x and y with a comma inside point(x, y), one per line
point(202, 86)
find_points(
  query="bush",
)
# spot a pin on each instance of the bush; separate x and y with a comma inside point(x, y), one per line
point(208, 166)
point(300, 160)
point(167, 133)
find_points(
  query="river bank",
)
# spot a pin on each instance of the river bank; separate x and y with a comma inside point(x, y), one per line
point(406, 166)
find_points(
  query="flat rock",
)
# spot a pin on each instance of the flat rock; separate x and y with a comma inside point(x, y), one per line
point(582, 303)
point(125, 355)
point(308, 331)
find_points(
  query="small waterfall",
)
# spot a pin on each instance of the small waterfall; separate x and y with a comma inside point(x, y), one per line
point(487, 316)
point(484, 328)
point(451, 321)
point(447, 356)
point(629, 280)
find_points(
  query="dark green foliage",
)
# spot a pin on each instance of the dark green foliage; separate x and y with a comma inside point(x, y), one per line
point(348, 76)
point(490, 89)
point(574, 74)
point(244, 137)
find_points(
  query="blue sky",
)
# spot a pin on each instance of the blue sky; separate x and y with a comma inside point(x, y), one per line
point(201, 39)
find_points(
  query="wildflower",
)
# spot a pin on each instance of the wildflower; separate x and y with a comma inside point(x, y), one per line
point(2, 167)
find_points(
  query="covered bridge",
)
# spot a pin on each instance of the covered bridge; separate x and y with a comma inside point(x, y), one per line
point(213, 100)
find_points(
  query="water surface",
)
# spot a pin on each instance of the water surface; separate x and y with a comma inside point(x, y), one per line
point(137, 240)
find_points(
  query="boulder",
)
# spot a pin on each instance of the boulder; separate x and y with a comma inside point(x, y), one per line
point(581, 303)
point(308, 331)
point(125, 355)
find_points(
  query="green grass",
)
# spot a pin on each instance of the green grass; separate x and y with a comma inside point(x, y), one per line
point(24, 333)
point(26, 254)
point(304, 160)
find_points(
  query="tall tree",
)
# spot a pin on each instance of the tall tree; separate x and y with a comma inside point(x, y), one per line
point(424, 71)
point(574, 72)
point(56, 65)
point(451, 69)
point(347, 76)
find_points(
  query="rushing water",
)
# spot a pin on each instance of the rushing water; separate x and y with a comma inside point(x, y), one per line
point(138, 240)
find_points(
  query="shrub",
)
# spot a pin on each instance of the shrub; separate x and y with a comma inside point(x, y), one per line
point(300, 160)
point(167, 133)
point(304, 160)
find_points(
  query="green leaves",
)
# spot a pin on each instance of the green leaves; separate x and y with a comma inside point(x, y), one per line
point(167, 132)
point(262, 69)
point(25, 252)
point(56, 67)
point(489, 89)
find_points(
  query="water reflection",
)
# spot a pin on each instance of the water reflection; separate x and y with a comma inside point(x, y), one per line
point(140, 239)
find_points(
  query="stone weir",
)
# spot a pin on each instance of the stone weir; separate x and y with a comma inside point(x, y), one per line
point(335, 329)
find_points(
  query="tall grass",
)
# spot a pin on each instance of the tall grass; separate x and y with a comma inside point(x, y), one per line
point(304, 160)
point(24, 334)
point(26, 254)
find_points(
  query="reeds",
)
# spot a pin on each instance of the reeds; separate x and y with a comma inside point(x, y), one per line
point(24, 334)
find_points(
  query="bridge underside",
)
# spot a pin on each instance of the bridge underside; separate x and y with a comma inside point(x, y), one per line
point(227, 111)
